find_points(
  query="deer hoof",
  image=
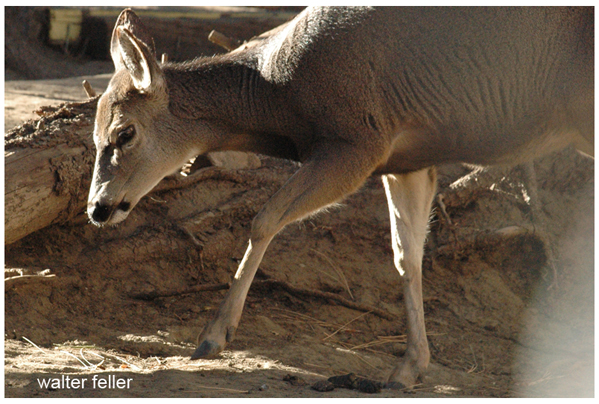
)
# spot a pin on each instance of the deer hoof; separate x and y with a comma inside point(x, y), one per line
point(207, 349)
point(404, 377)
point(395, 386)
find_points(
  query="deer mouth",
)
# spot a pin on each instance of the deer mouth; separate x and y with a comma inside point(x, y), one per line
point(124, 206)
point(101, 214)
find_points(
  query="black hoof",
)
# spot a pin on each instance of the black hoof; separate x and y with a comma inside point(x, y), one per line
point(395, 386)
point(207, 349)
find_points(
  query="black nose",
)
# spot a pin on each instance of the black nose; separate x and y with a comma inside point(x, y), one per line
point(101, 213)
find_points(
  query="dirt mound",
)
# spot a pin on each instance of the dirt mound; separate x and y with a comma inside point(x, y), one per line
point(494, 328)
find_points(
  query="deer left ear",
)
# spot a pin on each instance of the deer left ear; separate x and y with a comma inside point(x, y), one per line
point(128, 19)
point(138, 60)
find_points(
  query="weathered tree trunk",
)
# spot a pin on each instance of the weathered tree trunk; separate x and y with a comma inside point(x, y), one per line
point(48, 168)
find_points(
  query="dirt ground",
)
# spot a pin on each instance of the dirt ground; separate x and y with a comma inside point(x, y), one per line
point(501, 322)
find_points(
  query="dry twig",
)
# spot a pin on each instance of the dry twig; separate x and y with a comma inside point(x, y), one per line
point(88, 89)
point(32, 343)
point(177, 292)
point(344, 326)
point(223, 41)
point(218, 388)
point(268, 283)
point(341, 276)
point(326, 295)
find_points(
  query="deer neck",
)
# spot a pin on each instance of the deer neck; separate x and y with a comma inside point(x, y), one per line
point(244, 110)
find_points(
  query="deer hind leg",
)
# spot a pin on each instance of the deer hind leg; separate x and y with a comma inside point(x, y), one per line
point(334, 171)
point(409, 197)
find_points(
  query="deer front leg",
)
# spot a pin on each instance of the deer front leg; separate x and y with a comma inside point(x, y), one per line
point(221, 329)
point(409, 197)
point(334, 170)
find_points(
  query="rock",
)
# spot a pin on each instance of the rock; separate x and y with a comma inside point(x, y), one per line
point(351, 381)
point(323, 385)
point(294, 380)
point(234, 160)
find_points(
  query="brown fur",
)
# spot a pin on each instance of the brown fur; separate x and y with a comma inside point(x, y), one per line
point(349, 92)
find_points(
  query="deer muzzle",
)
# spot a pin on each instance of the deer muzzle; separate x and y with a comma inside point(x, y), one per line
point(101, 214)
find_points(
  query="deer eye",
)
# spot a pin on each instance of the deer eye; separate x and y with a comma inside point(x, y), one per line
point(125, 136)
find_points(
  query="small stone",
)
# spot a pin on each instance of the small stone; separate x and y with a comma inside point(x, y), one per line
point(294, 380)
point(234, 160)
point(368, 386)
point(323, 385)
point(346, 381)
point(351, 381)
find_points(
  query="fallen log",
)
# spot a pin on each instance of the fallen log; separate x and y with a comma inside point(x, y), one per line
point(48, 167)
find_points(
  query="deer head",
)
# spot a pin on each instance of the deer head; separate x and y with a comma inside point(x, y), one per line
point(138, 140)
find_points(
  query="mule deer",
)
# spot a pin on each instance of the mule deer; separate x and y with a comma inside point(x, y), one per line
point(349, 93)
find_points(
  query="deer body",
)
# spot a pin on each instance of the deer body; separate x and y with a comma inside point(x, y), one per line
point(349, 92)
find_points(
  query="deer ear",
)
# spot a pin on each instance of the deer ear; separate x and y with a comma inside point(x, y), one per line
point(132, 48)
point(138, 60)
point(128, 19)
